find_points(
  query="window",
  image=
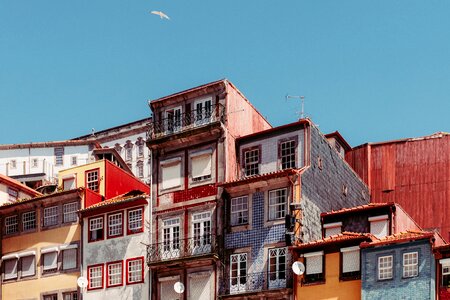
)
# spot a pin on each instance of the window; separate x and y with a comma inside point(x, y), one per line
point(379, 226)
point(73, 160)
point(332, 228)
point(173, 120)
point(410, 264)
point(287, 154)
point(34, 163)
point(251, 162)
point(69, 257)
point(201, 167)
point(385, 267)
point(28, 265)
point(51, 297)
point(13, 194)
point(135, 271)
point(10, 268)
point(114, 277)
point(13, 164)
point(140, 169)
point(201, 225)
point(129, 153)
point(445, 269)
point(115, 225)
point(350, 263)
point(11, 224)
point(70, 212)
point(95, 277)
point(135, 221)
point(277, 204)
point(29, 220)
point(203, 111)
point(92, 180)
point(51, 216)
point(171, 173)
point(70, 296)
point(141, 150)
point(69, 184)
point(239, 211)
point(59, 153)
point(96, 229)
point(238, 273)
point(314, 267)
point(50, 260)
point(277, 268)
point(171, 238)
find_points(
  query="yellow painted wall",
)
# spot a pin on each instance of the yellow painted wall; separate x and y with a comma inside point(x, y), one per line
point(79, 172)
point(33, 287)
point(332, 289)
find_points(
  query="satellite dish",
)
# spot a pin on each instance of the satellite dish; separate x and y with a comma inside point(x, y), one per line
point(178, 287)
point(298, 268)
point(82, 282)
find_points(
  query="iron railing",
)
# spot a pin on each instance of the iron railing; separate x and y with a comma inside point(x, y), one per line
point(256, 281)
point(181, 248)
point(178, 122)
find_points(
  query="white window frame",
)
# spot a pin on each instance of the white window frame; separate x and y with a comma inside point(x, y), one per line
point(238, 283)
point(114, 271)
point(70, 212)
point(410, 268)
point(11, 227)
point(135, 222)
point(205, 176)
point(239, 211)
point(204, 117)
point(74, 160)
point(94, 224)
point(115, 224)
point(252, 158)
point(274, 212)
point(91, 182)
point(29, 224)
point(201, 232)
point(173, 125)
point(51, 216)
point(171, 243)
point(385, 267)
point(277, 264)
point(98, 279)
point(135, 270)
point(290, 157)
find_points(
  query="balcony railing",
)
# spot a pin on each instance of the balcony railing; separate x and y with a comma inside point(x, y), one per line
point(178, 122)
point(255, 282)
point(181, 248)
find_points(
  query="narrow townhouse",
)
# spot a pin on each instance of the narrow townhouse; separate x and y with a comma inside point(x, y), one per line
point(192, 141)
point(286, 176)
point(12, 190)
point(114, 239)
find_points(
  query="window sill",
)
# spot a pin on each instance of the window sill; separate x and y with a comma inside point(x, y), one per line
point(274, 222)
point(238, 228)
point(313, 283)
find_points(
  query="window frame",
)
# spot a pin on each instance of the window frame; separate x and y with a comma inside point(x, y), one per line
point(16, 277)
point(107, 275)
point(75, 212)
point(101, 266)
point(232, 223)
point(108, 235)
point(49, 271)
point(70, 294)
point(23, 222)
point(87, 182)
point(90, 240)
point(21, 266)
point(167, 163)
point(274, 206)
point(16, 224)
point(59, 156)
point(257, 162)
point(416, 265)
point(141, 259)
point(70, 247)
point(208, 153)
point(293, 139)
point(316, 278)
point(138, 230)
point(13, 194)
point(385, 268)
point(352, 275)
point(44, 217)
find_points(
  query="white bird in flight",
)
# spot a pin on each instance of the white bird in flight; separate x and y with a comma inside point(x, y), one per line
point(161, 14)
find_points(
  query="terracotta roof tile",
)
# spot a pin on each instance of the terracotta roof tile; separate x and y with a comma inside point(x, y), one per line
point(407, 236)
point(260, 177)
point(357, 208)
point(344, 236)
point(127, 197)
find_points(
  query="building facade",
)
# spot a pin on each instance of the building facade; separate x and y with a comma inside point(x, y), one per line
point(12, 190)
point(192, 139)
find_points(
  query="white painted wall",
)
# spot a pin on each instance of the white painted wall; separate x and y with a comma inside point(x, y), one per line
point(4, 196)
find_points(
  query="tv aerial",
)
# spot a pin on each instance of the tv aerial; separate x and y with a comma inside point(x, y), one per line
point(302, 100)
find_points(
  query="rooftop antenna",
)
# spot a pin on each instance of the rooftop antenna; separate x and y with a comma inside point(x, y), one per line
point(302, 99)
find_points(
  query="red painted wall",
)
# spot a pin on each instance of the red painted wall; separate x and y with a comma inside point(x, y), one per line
point(91, 198)
point(413, 173)
point(118, 182)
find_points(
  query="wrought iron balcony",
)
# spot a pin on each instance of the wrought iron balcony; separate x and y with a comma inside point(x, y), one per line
point(176, 122)
point(178, 249)
point(256, 282)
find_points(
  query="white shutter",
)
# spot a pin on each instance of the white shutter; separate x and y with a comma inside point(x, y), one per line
point(200, 287)
point(69, 184)
point(171, 175)
point(332, 231)
point(69, 259)
point(350, 259)
point(28, 265)
point(50, 260)
point(201, 165)
point(379, 228)
point(314, 263)
point(10, 268)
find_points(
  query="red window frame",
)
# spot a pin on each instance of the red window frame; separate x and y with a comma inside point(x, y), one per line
point(128, 220)
point(107, 273)
point(127, 270)
point(89, 229)
point(98, 178)
point(107, 221)
point(89, 278)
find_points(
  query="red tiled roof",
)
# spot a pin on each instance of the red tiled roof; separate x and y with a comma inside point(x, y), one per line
point(18, 185)
point(260, 177)
point(407, 236)
point(40, 197)
point(344, 236)
point(357, 208)
point(273, 129)
point(124, 198)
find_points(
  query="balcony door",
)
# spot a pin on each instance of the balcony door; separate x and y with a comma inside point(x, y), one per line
point(203, 111)
point(173, 119)
point(277, 268)
point(201, 226)
point(238, 273)
point(171, 238)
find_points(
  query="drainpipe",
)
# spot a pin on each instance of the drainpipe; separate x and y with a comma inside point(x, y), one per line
point(150, 210)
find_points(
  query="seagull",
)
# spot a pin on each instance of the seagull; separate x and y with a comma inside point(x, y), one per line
point(161, 14)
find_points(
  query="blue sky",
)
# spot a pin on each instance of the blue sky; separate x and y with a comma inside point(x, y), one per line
point(374, 70)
